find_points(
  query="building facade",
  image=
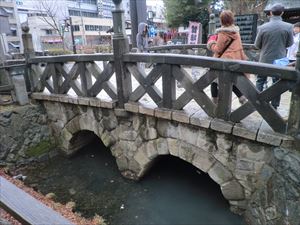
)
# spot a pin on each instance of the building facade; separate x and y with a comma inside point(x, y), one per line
point(13, 34)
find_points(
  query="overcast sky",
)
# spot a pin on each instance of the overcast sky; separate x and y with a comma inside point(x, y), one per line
point(155, 2)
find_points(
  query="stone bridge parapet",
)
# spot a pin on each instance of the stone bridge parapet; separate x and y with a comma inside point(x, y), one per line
point(255, 176)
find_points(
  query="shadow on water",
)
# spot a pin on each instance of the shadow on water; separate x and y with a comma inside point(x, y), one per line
point(173, 192)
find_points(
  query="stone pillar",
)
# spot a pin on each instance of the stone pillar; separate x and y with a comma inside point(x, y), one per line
point(120, 47)
point(211, 24)
point(28, 53)
point(18, 81)
point(294, 116)
point(211, 30)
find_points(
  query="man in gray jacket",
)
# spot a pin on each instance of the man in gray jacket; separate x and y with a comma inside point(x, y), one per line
point(142, 37)
point(272, 39)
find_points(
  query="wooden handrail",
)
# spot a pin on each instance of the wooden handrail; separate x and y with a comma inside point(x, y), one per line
point(25, 208)
point(262, 69)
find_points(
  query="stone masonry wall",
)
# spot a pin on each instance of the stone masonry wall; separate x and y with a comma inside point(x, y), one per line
point(24, 135)
point(259, 180)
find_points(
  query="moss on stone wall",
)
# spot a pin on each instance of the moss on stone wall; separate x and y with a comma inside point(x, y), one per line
point(40, 149)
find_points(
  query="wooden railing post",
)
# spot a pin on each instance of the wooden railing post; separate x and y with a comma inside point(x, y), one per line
point(294, 116)
point(28, 53)
point(120, 47)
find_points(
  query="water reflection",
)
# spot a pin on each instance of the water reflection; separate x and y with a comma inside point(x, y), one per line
point(173, 192)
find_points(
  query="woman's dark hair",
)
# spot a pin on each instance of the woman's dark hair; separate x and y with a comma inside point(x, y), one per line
point(227, 18)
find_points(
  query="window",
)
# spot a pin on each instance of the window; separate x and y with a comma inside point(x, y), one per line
point(49, 32)
point(76, 28)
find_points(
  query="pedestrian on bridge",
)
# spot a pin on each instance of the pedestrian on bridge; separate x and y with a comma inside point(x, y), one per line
point(273, 38)
point(227, 44)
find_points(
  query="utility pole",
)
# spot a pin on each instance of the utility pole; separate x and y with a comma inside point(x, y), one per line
point(70, 24)
point(138, 14)
point(82, 24)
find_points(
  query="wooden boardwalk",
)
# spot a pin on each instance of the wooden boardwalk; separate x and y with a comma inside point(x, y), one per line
point(27, 209)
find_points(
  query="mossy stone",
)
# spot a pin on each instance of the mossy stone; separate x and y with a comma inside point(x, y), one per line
point(40, 149)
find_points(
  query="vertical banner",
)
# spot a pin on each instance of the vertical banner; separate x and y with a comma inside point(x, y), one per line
point(194, 33)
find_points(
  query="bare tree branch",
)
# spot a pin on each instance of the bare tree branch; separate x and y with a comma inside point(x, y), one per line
point(48, 10)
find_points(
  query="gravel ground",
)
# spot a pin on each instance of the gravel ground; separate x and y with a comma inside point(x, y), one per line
point(64, 210)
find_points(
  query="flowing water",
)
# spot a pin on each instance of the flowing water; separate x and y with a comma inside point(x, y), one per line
point(172, 192)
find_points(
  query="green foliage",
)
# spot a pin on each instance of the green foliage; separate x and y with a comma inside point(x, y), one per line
point(41, 148)
point(58, 51)
point(180, 12)
point(103, 49)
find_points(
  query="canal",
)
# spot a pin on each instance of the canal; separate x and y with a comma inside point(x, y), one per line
point(172, 192)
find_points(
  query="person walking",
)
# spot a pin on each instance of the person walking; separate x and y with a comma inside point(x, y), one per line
point(292, 51)
point(273, 38)
point(142, 37)
point(227, 44)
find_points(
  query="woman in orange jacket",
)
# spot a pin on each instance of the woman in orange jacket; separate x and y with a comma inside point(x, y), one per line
point(227, 44)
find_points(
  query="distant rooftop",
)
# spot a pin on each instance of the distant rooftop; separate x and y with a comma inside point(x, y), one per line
point(289, 5)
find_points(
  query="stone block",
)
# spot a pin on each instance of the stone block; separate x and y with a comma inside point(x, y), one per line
point(232, 190)
point(288, 142)
point(188, 134)
point(186, 152)
point(122, 163)
point(149, 133)
point(107, 138)
point(83, 101)
point(167, 129)
point(37, 96)
point(247, 129)
point(132, 107)
point(200, 119)
point(146, 111)
point(219, 173)
point(109, 123)
point(162, 146)
point(224, 142)
point(63, 98)
point(54, 97)
point(268, 136)
point(142, 159)
point(108, 104)
point(221, 125)
point(244, 165)
point(128, 135)
point(95, 102)
point(203, 160)
point(180, 116)
point(252, 151)
point(174, 146)
point(20, 90)
point(151, 150)
point(121, 113)
point(73, 100)
point(163, 113)
point(137, 122)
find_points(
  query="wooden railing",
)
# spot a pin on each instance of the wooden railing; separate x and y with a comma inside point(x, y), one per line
point(60, 74)
point(201, 49)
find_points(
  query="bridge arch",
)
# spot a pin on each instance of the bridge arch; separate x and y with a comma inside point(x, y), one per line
point(78, 131)
point(148, 152)
point(137, 140)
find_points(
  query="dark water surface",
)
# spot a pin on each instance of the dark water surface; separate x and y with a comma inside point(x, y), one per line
point(173, 192)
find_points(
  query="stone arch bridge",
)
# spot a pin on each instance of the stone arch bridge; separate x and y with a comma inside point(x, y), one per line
point(255, 171)
point(250, 150)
